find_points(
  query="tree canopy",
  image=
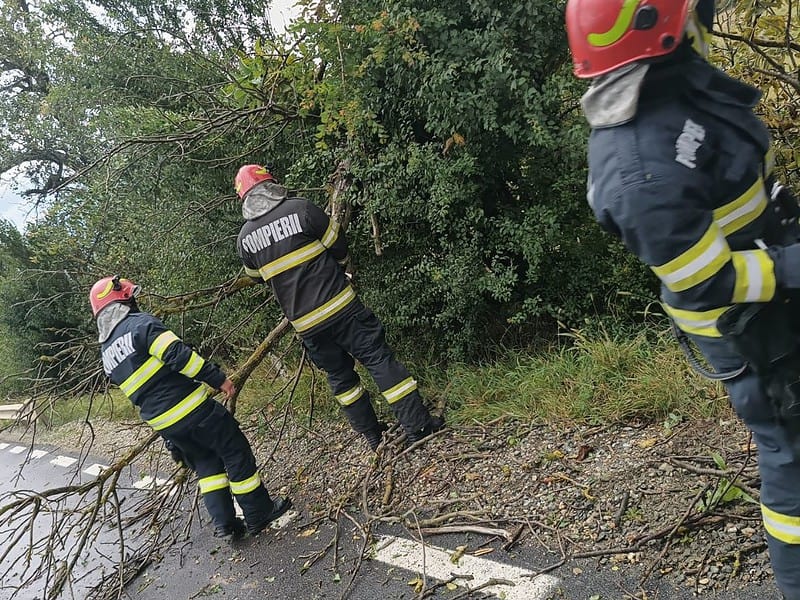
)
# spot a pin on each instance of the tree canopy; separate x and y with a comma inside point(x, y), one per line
point(456, 127)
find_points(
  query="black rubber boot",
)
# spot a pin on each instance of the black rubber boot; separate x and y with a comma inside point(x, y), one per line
point(361, 415)
point(232, 531)
point(374, 436)
point(434, 424)
point(279, 507)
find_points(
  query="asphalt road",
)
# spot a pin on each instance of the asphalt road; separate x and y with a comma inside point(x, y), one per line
point(292, 562)
point(274, 566)
point(27, 471)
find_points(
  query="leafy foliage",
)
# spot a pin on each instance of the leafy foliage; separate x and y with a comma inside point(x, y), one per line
point(457, 126)
point(758, 42)
point(462, 132)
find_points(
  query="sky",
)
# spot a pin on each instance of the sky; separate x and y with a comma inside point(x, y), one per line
point(15, 209)
point(12, 207)
point(281, 13)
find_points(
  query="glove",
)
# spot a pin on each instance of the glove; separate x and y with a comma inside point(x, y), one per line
point(787, 265)
point(175, 453)
point(782, 197)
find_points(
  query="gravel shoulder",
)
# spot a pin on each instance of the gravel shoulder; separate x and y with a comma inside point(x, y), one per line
point(622, 496)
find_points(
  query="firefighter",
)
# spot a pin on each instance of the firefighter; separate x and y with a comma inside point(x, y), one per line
point(680, 169)
point(171, 385)
point(291, 243)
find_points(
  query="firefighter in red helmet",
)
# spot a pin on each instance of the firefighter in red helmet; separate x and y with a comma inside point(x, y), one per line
point(681, 169)
point(170, 384)
point(292, 244)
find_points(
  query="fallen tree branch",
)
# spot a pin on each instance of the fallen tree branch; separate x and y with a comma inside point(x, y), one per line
point(467, 529)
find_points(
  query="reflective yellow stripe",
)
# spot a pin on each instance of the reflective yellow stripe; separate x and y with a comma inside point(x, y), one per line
point(331, 234)
point(213, 483)
point(620, 27)
point(327, 310)
point(180, 410)
point(744, 210)
point(785, 528)
point(755, 276)
point(193, 366)
point(246, 486)
point(350, 396)
point(702, 323)
point(141, 376)
point(699, 263)
point(161, 343)
point(252, 272)
point(400, 391)
point(291, 260)
point(107, 290)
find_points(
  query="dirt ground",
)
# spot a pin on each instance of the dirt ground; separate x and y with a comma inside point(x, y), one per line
point(656, 496)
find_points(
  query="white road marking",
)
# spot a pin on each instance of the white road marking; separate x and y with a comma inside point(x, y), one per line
point(18, 449)
point(284, 519)
point(95, 469)
point(39, 453)
point(148, 483)
point(408, 554)
point(63, 461)
point(3, 445)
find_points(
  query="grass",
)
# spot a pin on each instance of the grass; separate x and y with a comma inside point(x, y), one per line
point(590, 379)
point(113, 406)
point(597, 379)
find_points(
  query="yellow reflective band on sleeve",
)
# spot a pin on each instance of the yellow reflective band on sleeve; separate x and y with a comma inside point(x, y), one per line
point(248, 485)
point(291, 260)
point(784, 528)
point(161, 343)
point(744, 210)
point(141, 376)
point(327, 310)
point(703, 323)
point(350, 396)
point(331, 234)
point(699, 263)
point(400, 391)
point(180, 410)
point(213, 483)
point(252, 272)
point(755, 276)
point(193, 366)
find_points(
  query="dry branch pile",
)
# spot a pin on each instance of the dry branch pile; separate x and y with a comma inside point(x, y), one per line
point(627, 497)
point(662, 502)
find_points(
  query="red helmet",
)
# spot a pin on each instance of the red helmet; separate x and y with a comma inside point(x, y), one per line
point(607, 34)
point(111, 289)
point(250, 175)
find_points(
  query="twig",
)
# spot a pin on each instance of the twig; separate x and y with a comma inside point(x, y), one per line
point(513, 538)
point(428, 592)
point(490, 583)
point(623, 506)
point(467, 529)
point(672, 531)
